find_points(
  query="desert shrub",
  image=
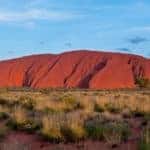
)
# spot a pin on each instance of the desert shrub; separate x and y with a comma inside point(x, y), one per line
point(142, 82)
point(138, 113)
point(126, 113)
point(68, 99)
point(45, 91)
point(146, 119)
point(3, 132)
point(115, 132)
point(28, 125)
point(27, 102)
point(70, 102)
point(20, 120)
point(48, 110)
point(3, 101)
point(8, 103)
point(95, 132)
point(98, 108)
point(95, 127)
point(3, 115)
point(31, 126)
point(80, 105)
point(19, 114)
point(73, 133)
point(59, 127)
point(112, 108)
point(52, 135)
point(145, 139)
point(72, 127)
point(51, 129)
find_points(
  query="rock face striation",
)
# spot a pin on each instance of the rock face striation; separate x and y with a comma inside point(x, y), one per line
point(79, 69)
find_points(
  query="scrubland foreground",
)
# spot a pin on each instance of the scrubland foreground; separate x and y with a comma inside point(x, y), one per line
point(74, 119)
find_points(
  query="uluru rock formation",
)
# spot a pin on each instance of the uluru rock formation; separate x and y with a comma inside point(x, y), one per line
point(79, 69)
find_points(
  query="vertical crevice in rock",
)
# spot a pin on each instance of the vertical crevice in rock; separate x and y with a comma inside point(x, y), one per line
point(137, 68)
point(73, 71)
point(84, 83)
point(49, 69)
point(27, 81)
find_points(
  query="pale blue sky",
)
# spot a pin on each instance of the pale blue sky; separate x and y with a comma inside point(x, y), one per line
point(53, 26)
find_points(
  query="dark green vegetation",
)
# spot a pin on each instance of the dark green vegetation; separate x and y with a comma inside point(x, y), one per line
point(145, 139)
point(142, 82)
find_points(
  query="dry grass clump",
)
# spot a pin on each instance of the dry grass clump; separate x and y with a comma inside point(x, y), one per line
point(98, 108)
point(27, 102)
point(20, 120)
point(64, 103)
point(86, 103)
point(73, 127)
point(73, 132)
point(51, 128)
point(63, 127)
point(4, 113)
point(19, 114)
point(134, 103)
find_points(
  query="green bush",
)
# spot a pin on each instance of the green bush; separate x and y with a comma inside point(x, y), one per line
point(95, 127)
point(95, 132)
point(145, 139)
point(142, 82)
point(3, 116)
point(113, 132)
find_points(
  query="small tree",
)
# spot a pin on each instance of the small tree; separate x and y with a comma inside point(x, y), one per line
point(142, 82)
